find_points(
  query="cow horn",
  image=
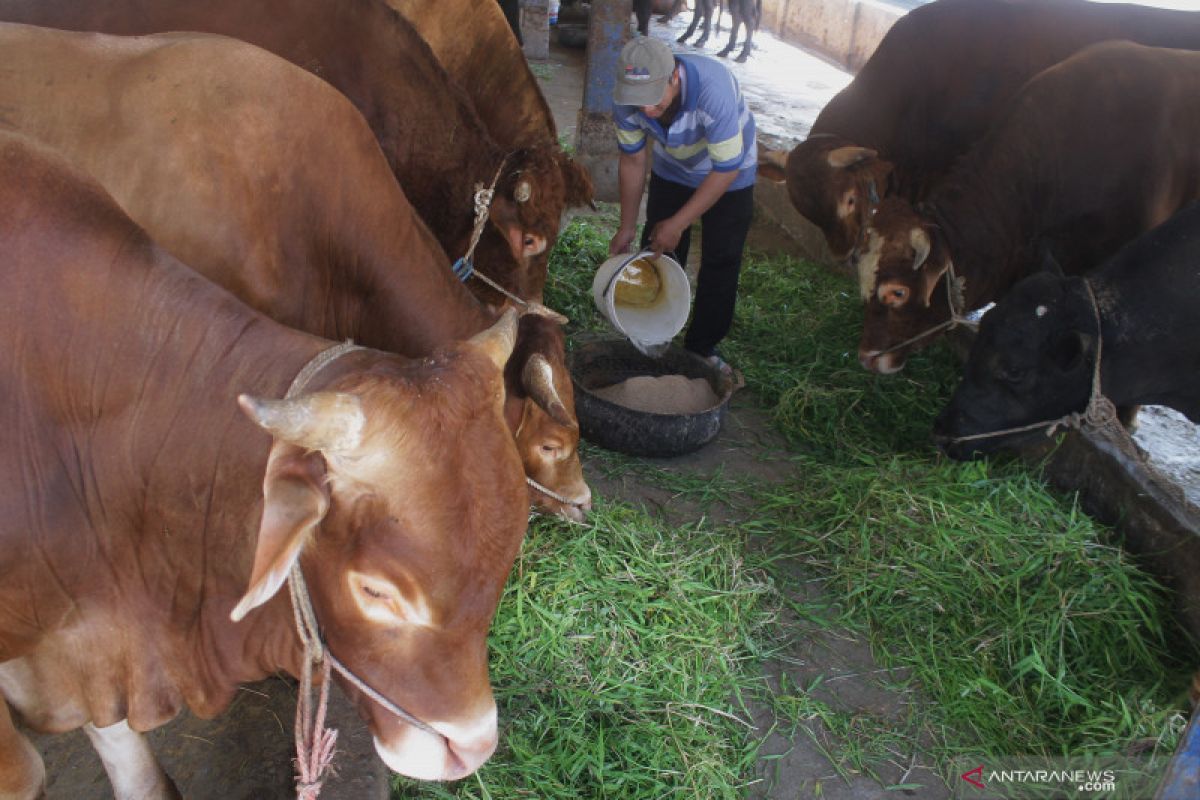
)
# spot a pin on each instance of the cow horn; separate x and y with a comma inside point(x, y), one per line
point(523, 192)
point(848, 156)
point(498, 341)
point(534, 307)
point(331, 422)
point(538, 379)
point(919, 240)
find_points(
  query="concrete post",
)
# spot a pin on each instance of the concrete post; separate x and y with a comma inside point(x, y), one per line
point(535, 28)
point(596, 140)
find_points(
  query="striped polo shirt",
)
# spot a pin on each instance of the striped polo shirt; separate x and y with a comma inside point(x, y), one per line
point(713, 131)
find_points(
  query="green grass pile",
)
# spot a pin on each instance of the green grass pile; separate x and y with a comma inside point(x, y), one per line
point(1022, 625)
point(624, 651)
point(1030, 633)
point(619, 652)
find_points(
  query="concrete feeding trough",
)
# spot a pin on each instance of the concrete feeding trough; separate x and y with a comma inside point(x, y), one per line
point(632, 403)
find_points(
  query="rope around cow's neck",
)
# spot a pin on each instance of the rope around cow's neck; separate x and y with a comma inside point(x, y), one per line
point(314, 742)
point(1099, 413)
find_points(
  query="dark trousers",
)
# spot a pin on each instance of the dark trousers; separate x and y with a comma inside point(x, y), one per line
point(723, 230)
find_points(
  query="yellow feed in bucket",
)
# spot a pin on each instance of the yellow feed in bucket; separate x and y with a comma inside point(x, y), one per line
point(638, 285)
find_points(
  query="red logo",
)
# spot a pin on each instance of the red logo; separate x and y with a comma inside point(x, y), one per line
point(978, 772)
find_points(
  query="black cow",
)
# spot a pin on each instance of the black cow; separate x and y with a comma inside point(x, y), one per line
point(1035, 354)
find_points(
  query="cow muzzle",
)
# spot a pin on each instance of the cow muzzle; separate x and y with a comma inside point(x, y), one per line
point(573, 505)
point(881, 362)
point(453, 753)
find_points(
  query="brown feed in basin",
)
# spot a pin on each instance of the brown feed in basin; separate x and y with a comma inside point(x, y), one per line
point(610, 376)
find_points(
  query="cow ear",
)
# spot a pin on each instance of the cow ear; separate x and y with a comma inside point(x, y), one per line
point(1049, 264)
point(931, 275)
point(1068, 349)
point(918, 238)
point(295, 500)
point(580, 191)
point(537, 378)
point(772, 164)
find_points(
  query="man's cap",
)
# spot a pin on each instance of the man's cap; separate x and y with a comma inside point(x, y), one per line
point(643, 68)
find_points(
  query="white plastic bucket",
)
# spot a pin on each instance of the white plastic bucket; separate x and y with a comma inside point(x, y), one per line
point(649, 311)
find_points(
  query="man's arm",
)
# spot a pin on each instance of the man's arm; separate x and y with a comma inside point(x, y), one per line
point(631, 179)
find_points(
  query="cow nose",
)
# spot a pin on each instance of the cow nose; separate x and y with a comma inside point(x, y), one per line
point(879, 362)
point(451, 752)
point(463, 758)
point(468, 749)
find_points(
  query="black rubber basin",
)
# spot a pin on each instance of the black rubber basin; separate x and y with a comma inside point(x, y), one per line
point(642, 433)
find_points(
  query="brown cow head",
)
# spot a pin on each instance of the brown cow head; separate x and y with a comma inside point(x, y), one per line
point(834, 184)
point(542, 405)
point(399, 490)
point(538, 185)
point(900, 269)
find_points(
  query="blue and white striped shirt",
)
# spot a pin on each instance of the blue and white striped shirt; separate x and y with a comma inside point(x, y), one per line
point(713, 131)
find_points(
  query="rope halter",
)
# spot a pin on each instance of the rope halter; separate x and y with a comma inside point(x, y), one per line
point(464, 268)
point(314, 742)
point(956, 290)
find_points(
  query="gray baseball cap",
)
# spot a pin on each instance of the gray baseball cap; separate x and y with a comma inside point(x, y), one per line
point(643, 68)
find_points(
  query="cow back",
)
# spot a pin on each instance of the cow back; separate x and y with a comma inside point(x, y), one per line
point(425, 124)
point(946, 71)
point(488, 64)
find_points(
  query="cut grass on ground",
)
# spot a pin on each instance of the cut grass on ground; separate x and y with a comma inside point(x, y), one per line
point(623, 649)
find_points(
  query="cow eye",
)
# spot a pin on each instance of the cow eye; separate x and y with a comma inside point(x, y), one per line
point(529, 241)
point(893, 296)
point(1011, 374)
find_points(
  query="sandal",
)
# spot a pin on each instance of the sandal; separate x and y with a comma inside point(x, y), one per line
point(723, 366)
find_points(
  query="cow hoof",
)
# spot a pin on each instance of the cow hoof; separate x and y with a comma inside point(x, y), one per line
point(742, 58)
point(682, 39)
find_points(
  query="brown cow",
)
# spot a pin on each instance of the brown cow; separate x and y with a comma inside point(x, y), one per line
point(148, 524)
point(268, 181)
point(487, 62)
point(1071, 173)
point(428, 130)
point(941, 76)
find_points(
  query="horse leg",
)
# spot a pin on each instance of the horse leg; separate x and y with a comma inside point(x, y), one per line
point(22, 772)
point(131, 766)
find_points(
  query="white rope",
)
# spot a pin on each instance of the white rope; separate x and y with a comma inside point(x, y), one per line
point(955, 298)
point(315, 743)
point(551, 493)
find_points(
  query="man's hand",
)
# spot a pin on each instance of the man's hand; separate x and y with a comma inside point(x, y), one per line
point(621, 241)
point(665, 236)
